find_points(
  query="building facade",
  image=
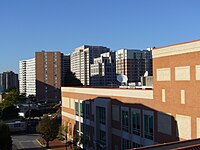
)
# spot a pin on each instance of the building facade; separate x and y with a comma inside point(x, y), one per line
point(42, 76)
point(128, 118)
point(8, 80)
point(65, 66)
point(22, 77)
point(133, 63)
point(82, 58)
point(103, 70)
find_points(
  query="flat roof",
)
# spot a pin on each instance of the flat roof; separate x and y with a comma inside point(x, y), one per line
point(132, 93)
point(177, 44)
point(180, 145)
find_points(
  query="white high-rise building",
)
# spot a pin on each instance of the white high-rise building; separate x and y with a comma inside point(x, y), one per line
point(22, 76)
point(103, 70)
point(27, 77)
point(81, 59)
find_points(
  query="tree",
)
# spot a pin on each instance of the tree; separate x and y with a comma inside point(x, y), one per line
point(11, 98)
point(10, 112)
point(63, 132)
point(32, 113)
point(5, 138)
point(48, 128)
point(71, 80)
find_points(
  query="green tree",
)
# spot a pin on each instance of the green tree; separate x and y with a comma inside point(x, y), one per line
point(71, 80)
point(10, 112)
point(48, 128)
point(64, 131)
point(5, 138)
point(11, 98)
point(32, 113)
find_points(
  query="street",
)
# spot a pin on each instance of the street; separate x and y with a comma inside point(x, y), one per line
point(26, 142)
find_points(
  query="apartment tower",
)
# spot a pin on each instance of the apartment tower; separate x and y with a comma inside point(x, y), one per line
point(82, 58)
point(8, 80)
point(48, 75)
point(133, 63)
point(42, 76)
point(103, 70)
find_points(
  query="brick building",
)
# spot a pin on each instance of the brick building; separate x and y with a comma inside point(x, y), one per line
point(128, 118)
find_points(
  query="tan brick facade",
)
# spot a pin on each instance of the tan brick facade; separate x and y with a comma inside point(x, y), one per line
point(169, 112)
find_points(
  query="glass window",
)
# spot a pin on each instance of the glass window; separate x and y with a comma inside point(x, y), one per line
point(87, 110)
point(101, 115)
point(102, 136)
point(136, 145)
point(148, 127)
point(82, 126)
point(77, 108)
point(77, 125)
point(126, 144)
point(136, 123)
point(125, 120)
point(81, 109)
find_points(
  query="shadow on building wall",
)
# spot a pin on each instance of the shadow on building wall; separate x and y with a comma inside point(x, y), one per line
point(124, 124)
point(47, 92)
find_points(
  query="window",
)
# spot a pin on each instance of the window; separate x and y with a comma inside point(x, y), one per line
point(77, 108)
point(82, 126)
point(148, 127)
point(101, 115)
point(136, 145)
point(125, 120)
point(136, 123)
point(81, 109)
point(126, 144)
point(77, 125)
point(87, 111)
point(102, 136)
point(87, 130)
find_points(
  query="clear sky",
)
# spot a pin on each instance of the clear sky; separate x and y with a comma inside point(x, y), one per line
point(27, 26)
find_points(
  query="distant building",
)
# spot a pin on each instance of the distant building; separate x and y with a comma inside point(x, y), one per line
point(133, 63)
point(65, 66)
point(8, 80)
point(41, 76)
point(103, 70)
point(27, 77)
point(81, 59)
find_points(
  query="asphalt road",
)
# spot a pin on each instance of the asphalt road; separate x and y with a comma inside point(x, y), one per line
point(26, 142)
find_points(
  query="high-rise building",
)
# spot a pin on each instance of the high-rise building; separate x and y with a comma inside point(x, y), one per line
point(133, 63)
point(65, 66)
point(27, 77)
point(48, 75)
point(103, 70)
point(22, 76)
point(81, 59)
point(41, 76)
point(8, 80)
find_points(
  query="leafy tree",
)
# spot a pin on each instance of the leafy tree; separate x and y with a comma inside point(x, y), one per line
point(48, 128)
point(63, 132)
point(10, 112)
point(11, 98)
point(33, 113)
point(71, 80)
point(5, 138)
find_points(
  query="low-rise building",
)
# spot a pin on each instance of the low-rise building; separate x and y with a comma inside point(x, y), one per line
point(109, 118)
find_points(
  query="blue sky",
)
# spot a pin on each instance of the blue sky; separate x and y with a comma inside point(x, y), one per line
point(27, 26)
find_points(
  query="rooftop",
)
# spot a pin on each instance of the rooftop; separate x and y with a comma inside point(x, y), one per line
point(121, 92)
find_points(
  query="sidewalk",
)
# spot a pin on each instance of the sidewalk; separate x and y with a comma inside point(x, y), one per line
point(54, 145)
